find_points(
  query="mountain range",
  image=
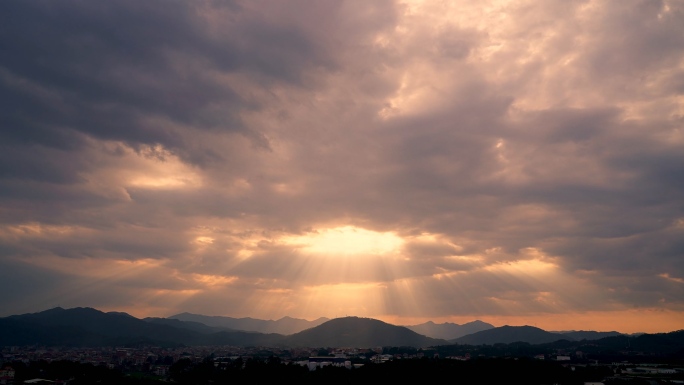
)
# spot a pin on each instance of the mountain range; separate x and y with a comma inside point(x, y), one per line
point(449, 330)
point(91, 327)
point(285, 325)
point(528, 334)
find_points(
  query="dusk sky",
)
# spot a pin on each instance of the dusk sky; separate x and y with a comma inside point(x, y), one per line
point(517, 162)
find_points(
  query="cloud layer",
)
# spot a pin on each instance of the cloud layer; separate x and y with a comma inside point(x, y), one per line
point(400, 160)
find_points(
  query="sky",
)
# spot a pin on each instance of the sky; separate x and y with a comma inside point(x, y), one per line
point(517, 162)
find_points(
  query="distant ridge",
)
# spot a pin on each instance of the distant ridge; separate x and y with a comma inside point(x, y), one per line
point(80, 327)
point(361, 333)
point(190, 325)
point(578, 335)
point(285, 325)
point(509, 334)
point(449, 331)
point(530, 334)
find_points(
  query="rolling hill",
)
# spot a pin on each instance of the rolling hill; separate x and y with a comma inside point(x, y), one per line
point(359, 332)
point(509, 334)
point(587, 335)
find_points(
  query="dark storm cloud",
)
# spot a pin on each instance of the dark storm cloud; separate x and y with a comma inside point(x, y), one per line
point(39, 164)
point(105, 69)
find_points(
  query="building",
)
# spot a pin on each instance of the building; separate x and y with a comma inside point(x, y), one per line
point(7, 375)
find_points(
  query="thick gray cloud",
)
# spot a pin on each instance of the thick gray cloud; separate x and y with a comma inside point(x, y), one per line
point(503, 159)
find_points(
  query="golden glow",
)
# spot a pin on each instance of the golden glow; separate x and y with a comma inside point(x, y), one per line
point(185, 292)
point(93, 267)
point(204, 240)
point(159, 182)
point(357, 299)
point(347, 240)
point(35, 229)
point(523, 267)
point(450, 274)
point(672, 279)
point(213, 280)
point(155, 167)
point(624, 321)
point(644, 320)
point(171, 298)
point(244, 254)
point(292, 188)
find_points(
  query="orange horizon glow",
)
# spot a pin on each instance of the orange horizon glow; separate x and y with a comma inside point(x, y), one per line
point(625, 321)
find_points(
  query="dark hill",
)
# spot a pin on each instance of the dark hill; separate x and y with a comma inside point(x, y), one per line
point(660, 342)
point(85, 326)
point(587, 335)
point(509, 334)
point(91, 327)
point(359, 332)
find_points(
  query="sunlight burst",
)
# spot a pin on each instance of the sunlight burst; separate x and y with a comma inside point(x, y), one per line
point(347, 240)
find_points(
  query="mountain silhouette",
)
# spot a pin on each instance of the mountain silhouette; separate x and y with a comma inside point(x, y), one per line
point(359, 332)
point(449, 331)
point(91, 327)
point(578, 335)
point(84, 326)
point(189, 325)
point(285, 325)
point(509, 334)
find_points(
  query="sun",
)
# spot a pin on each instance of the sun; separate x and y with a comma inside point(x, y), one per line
point(347, 240)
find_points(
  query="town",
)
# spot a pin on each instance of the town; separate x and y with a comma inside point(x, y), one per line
point(210, 364)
